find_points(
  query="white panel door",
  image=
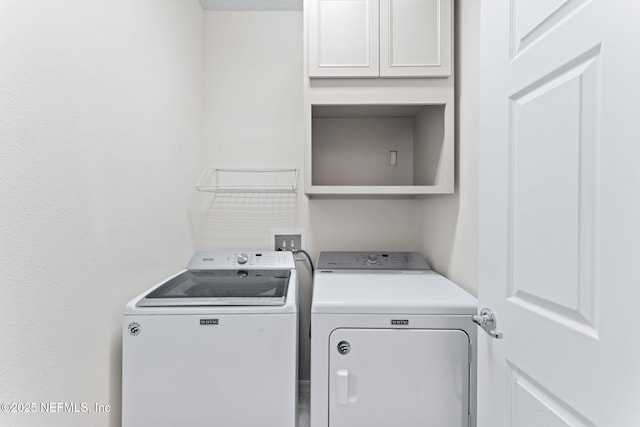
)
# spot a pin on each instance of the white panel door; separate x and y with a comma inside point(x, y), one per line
point(399, 378)
point(560, 213)
point(343, 38)
point(415, 38)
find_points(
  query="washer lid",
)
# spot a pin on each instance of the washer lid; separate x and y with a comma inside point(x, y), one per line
point(389, 293)
point(221, 288)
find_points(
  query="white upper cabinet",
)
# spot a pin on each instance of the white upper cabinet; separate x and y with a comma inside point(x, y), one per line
point(343, 38)
point(415, 38)
point(380, 38)
point(379, 103)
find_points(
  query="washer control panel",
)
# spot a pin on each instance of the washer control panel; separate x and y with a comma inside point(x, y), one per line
point(212, 260)
point(375, 261)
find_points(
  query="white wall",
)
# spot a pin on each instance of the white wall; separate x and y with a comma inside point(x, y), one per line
point(449, 224)
point(100, 135)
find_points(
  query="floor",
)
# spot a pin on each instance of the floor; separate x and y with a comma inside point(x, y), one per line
point(303, 403)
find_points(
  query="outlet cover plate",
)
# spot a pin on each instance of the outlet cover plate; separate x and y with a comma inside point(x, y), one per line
point(287, 234)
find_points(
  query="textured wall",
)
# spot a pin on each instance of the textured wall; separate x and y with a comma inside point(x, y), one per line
point(100, 135)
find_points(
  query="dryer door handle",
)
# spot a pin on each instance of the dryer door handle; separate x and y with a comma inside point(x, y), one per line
point(342, 387)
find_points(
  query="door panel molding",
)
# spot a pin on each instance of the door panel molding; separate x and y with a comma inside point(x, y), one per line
point(562, 315)
point(523, 36)
point(553, 148)
point(534, 405)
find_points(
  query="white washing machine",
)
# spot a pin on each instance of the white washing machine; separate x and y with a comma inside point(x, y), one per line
point(392, 344)
point(214, 345)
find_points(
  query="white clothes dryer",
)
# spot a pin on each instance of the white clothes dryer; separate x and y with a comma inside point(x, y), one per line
point(392, 344)
point(214, 345)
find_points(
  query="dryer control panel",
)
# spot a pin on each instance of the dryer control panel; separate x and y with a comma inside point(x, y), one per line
point(374, 261)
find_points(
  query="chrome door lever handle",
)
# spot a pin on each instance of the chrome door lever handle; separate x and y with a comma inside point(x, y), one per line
point(487, 321)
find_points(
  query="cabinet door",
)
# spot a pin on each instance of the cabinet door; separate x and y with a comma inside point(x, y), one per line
point(343, 38)
point(398, 377)
point(415, 38)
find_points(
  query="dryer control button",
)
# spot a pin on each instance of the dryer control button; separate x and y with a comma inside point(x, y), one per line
point(243, 258)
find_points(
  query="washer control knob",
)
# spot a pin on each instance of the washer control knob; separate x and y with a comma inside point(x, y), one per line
point(372, 259)
point(243, 258)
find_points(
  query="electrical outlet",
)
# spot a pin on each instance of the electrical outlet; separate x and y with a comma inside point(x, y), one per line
point(287, 240)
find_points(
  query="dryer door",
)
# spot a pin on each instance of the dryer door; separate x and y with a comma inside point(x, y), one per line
point(398, 377)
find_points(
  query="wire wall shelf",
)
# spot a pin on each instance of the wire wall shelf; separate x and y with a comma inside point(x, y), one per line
point(216, 180)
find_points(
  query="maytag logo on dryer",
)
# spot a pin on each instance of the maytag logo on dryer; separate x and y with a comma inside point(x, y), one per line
point(209, 322)
point(399, 322)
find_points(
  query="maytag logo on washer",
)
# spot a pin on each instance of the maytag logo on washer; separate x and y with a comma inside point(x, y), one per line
point(134, 328)
point(209, 321)
point(402, 322)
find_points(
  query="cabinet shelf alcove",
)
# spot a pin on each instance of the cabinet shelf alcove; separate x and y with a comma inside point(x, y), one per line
point(380, 149)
